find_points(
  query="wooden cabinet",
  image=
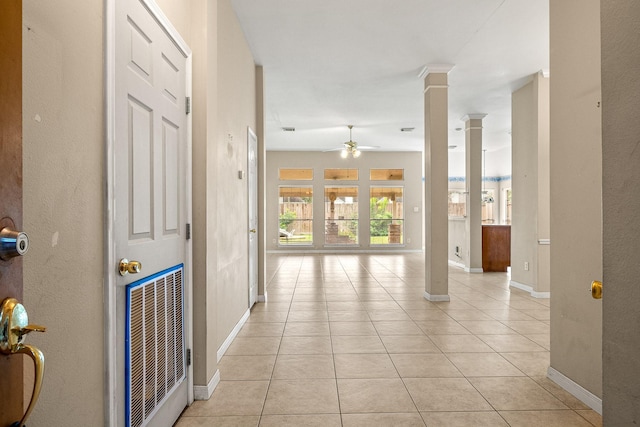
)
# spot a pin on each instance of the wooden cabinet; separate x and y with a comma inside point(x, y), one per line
point(496, 247)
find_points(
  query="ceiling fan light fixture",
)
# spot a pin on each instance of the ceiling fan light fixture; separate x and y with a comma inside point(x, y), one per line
point(350, 147)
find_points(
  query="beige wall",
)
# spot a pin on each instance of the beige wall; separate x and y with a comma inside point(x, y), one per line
point(63, 204)
point(409, 161)
point(621, 204)
point(576, 191)
point(236, 111)
point(530, 209)
point(223, 69)
point(64, 189)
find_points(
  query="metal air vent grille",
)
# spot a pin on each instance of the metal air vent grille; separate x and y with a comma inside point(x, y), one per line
point(154, 347)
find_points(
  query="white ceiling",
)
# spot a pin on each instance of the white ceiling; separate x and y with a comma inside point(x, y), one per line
point(331, 63)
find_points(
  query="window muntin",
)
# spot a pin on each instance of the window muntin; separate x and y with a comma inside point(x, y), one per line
point(386, 215)
point(295, 216)
point(341, 215)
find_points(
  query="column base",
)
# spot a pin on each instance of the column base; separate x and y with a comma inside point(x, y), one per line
point(436, 298)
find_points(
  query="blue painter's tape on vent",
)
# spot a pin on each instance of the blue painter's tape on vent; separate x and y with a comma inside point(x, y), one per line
point(155, 343)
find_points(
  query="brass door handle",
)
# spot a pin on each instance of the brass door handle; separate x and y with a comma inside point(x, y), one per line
point(125, 267)
point(13, 328)
point(253, 230)
point(596, 289)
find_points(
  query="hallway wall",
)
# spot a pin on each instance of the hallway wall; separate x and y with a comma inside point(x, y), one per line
point(530, 208)
point(621, 204)
point(63, 205)
point(576, 192)
point(63, 158)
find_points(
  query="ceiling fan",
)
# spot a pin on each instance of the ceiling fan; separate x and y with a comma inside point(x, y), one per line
point(351, 147)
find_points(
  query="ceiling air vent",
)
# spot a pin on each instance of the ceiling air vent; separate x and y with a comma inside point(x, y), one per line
point(289, 129)
point(406, 129)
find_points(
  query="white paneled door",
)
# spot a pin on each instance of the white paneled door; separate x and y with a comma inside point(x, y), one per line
point(151, 166)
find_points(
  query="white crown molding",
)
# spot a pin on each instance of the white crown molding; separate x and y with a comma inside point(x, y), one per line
point(544, 73)
point(435, 69)
point(473, 116)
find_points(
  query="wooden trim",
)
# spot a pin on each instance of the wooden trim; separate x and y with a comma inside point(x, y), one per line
point(11, 367)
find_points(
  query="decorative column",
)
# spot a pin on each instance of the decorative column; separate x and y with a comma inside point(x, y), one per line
point(473, 179)
point(436, 182)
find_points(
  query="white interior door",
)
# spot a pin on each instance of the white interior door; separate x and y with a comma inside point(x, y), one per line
point(151, 150)
point(252, 152)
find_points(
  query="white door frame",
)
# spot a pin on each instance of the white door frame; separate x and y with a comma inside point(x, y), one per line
point(253, 258)
point(114, 397)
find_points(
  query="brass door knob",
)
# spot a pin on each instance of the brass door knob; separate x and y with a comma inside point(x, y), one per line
point(125, 267)
point(596, 289)
point(14, 325)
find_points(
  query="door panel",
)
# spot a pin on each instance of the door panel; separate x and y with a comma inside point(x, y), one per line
point(151, 152)
point(11, 190)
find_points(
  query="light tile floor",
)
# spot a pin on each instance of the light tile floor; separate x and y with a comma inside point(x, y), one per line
point(349, 340)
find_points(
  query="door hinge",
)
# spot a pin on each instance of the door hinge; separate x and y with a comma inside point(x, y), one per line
point(188, 233)
point(188, 357)
point(187, 103)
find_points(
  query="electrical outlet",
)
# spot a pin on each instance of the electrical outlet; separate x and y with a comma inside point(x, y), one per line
point(526, 266)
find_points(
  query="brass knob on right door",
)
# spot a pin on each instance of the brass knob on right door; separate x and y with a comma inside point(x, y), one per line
point(596, 289)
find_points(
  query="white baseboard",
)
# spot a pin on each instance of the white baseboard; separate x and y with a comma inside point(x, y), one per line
point(473, 270)
point(529, 289)
point(262, 298)
point(234, 333)
point(436, 298)
point(453, 263)
point(581, 393)
point(204, 392)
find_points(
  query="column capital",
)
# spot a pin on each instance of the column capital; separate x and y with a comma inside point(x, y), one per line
point(435, 69)
point(473, 116)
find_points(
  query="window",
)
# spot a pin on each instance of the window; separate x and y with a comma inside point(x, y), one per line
point(341, 215)
point(386, 215)
point(488, 201)
point(341, 174)
point(507, 206)
point(386, 174)
point(296, 215)
point(295, 174)
point(457, 204)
